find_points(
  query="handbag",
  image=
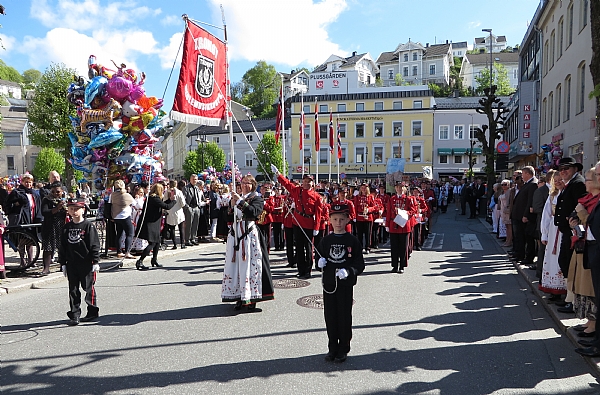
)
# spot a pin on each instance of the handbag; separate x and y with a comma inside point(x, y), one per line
point(107, 210)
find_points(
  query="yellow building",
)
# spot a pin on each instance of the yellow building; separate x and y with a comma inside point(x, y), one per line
point(375, 125)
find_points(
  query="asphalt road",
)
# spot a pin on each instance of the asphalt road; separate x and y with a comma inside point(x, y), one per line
point(460, 320)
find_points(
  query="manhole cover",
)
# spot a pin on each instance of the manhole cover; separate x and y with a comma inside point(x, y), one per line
point(313, 301)
point(286, 283)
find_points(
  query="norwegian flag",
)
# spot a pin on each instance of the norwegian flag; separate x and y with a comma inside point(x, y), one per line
point(279, 118)
point(317, 131)
point(339, 139)
point(331, 138)
point(301, 127)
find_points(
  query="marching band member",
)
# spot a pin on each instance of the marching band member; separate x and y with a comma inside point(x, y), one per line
point(341, 199)
point(377, 219)
point(277, 202)
point(307, 217)
point(384, 197)
point(400, 208)
point(264, 219)
point(422, 215)
point(365, 207)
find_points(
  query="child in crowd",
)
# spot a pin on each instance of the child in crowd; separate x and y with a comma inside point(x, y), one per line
point(341, 261)
point(78, 255)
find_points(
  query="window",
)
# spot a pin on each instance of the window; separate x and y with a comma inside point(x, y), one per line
point(235, 139)
point(377, 154)
point(416, 128)
point(444, 132)
point(323, 108)
point(418, 104)
point(306, 108)
point(414, 70)
point(415, 153)
point(378, 129)
point(414, 56)
point(390, 74)
point(570, 24)
point(341, 108)
point(458, 158)
point(544, 111)
point(558, 104)
point(343, 158)
point(323, 132)
point(546, 57)
point(561, 36)
point(216, 140)
point(324, 156)
point(397, 105)
point(550, 110)
point(359, 155)
point(459, 132)
point(359, 130)
point(396, 151)
point(360, 106)
point(307, 155)
point(306, 132)
point(406, 57)
point(10, 162)
point(248, 157)
point(515, 74)
point(443, 158)
point(552, 48)
point(405, 71)
point(472, 129)
point(397, 127)
point(581, 88)
point(378, 105)
point(249, 137)
point(567, 98)
point(342, 130)
point(583, 14)
point(431, 69)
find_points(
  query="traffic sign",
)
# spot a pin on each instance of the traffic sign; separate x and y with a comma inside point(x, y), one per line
point(342, 175)
point(503, 147)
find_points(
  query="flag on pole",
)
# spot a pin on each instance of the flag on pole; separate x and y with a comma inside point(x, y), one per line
point(301, 127)
point(317, 131)
point(339, 140)
point(201, 92)
point(279, 118)
point(331, 138)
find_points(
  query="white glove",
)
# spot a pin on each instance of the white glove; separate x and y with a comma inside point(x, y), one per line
point(387, 229)
point(64, 270)
point(275, 170)
point(96, 268)
point(430, 198)
point(322, 262)
point(354, 220)
point(315, 232)
point(293, 205)
point(342, 274)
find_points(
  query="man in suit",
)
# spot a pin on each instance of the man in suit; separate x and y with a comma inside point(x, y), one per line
point(565, 205)
point(592, 255)
point(539, 200)
point(523, 218)
point(463, 196)
point(478, 192)
point(194, 199)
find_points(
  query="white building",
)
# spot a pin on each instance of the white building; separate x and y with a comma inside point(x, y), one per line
point(10, 89)
point(362, 63)
point(473, 64)
point(498, 43)
point(18, 155)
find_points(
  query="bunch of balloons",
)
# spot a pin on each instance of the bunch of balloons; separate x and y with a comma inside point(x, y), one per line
point(115, 129)
point(550, 156)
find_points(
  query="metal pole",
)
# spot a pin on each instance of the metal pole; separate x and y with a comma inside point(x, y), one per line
point(491, 59)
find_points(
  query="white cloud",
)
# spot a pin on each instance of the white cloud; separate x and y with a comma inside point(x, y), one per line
point(168, 53)
point(289, 32)
point(474, 25)
point(8, 42)
point(172, 20)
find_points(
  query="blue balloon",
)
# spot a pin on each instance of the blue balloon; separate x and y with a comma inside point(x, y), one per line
point(94, 88)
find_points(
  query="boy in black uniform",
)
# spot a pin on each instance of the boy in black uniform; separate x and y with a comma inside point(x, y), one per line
point(341, 261)
point(79, 255)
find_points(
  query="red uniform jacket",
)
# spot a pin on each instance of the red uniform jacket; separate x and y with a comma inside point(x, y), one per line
point(278, 209)
point(288, 212)
point(324, 216)
point(307, 210)
point(396, 203)
point(360, 203)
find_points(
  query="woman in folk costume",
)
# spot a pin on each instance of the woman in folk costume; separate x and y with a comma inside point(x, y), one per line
point(247, 275)
point(398, 224)
point(553, 280)
point(364, 204)
point(443, 197)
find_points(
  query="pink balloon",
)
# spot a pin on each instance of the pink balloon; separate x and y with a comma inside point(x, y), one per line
point(136, 93)
point(119, 87)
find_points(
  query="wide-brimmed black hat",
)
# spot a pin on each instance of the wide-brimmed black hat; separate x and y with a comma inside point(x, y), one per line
point(568, 161)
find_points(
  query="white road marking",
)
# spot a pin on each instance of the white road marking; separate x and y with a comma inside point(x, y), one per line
point(469, 241)
point(435, 241)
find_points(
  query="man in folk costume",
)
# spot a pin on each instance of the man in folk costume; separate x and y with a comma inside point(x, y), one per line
point(288, 229)
point(341, 200)
point(247, 274)
point(364, 205)
point(384, 197)
point(307, 218)
point(265, 218)
point(400, 208)
point(276, 202)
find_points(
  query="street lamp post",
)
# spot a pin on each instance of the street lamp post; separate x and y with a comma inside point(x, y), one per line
point(202, 141)
point(491, 58)
point(307, 159)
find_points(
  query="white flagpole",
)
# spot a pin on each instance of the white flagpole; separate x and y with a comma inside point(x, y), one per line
point(302, 131)
point(282, 128)
point(319, 150)
point(337, 131)
point(329, 131)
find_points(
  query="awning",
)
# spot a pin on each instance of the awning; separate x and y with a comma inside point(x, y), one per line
point(477, 151)
point(459, 151)
point(445, 151)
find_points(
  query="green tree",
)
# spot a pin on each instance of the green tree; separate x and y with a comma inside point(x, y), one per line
point(9, 73)
point(49, 111)
point(191, 165)
point(31, 76)
point(48, 160)
point(268, 153)
point(399, 80)
point(500, 79)
point(210, 155)
point(261, 87)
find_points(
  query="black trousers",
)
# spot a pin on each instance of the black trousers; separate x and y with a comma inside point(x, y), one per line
point(265, 231)
point(375, 235)
point(86, 281)
point(417, 236)
point(337, 308)
point(565, 254)
point(303, 257)
point(289, 245)
point(399, 249)
point(363, 233)
point(277, 235)
point(472, 207)
point(463, 205)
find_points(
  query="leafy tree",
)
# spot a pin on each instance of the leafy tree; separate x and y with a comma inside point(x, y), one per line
point(269, 153)
point(238, 90)
point(500, 80)
point(261, 89)
point(191, 165)
point(378, 82)
point(48, 160)
point(399, 80)
point(49, 112)
point(210, 155)
point(9, 73)
point(31, 76)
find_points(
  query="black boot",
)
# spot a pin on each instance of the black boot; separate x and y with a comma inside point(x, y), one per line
point(155, 263)
point(140, 266)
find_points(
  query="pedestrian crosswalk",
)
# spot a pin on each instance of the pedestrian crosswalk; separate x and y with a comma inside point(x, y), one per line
point(435, 241)
point(468, 241)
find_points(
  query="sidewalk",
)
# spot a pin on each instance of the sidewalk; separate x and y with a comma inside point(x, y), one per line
point(564, 321)
point(30, 280)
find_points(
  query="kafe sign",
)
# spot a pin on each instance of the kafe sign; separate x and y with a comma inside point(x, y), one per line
point(329, 83)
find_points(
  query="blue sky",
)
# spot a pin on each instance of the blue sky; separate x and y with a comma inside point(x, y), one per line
point(145, 35)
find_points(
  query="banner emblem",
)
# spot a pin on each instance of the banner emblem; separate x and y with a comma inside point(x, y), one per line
point(205, 76)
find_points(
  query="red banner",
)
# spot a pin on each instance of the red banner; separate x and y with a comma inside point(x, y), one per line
point(202, 88)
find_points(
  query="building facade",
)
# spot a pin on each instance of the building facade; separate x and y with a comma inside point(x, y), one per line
point(498, 43)
point(18, 155)
point(473, 64)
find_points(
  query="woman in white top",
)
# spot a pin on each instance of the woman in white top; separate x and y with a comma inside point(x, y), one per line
point(176, 215)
